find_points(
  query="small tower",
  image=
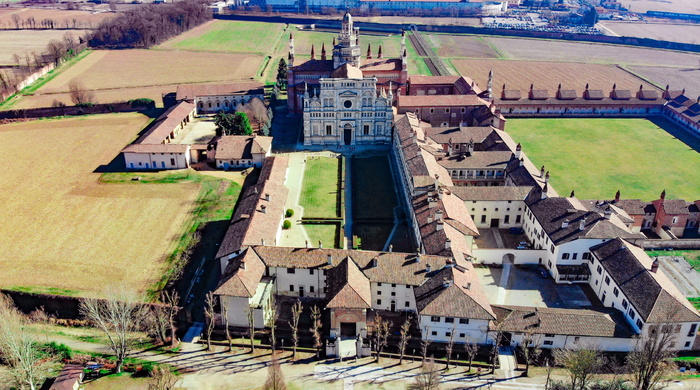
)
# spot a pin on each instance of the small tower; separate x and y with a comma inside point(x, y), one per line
point(379, 54)
point(617, 196)
point(313, 53)
point(489, 86)
point(323, 52)
point(518, 151)
point(369, 51)
point(404, 60)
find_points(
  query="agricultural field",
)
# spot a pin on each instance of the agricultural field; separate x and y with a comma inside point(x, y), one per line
point(229, 36)
point(303, 39)
point(682, 6)
point(547, 75)
point(22, 42)
point(63, 18)
point(597, 157)
point(687, 78)
point(685, 33)
point(120, 75)
point(320, 191)
point(67, 233)
point(461, 46)
point(549, 50)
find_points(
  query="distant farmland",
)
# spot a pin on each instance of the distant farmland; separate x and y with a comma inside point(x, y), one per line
point(597, 157)
point(229, 36)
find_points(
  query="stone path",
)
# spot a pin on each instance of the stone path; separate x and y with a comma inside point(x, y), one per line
point(296, 236)
point(502, 286)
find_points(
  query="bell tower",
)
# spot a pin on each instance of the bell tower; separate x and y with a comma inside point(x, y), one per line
point(347, 51)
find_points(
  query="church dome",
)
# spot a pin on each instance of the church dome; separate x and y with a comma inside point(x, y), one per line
point(347, 18)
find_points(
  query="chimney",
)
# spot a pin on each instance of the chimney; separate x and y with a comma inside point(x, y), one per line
point(655, 265)
point(431, 203)
point(617, 196)
point(380, 55)
point(446, 282)
point(607, 213)
point(439, 225)
point(573, 194)
point(307, 243)
point(329, 260)
point(546, 177)
point(518, 151)
point(437, 183)
point(440, 193)
point(427, 268)
point(663, 195)
point(255, 190)
point(582, 224)
point(320, 244)
point(438, 215)
point(448, 243)
point(418, 257)
point(323, 52)
point(267, 196)
point(564, 223)
point(543, 195)
point(374, 263)
point(468, 286)
point(391, 248)
point(542, 171)
point(313, 53)
point(262, 241)
point(430, 219)
point(522, 161)
point(263, 209)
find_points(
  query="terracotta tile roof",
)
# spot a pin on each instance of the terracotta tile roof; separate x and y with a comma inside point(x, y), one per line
point(538, 94)
point(242, 275)
point(511, 94)
point(453, 292)
point(651, 294)
point(635, 206)
point(191, 91)
point(648, 94)
point(621, 94)
point(232, 147)
point(566, 94)
point(156, 148)
point(69, 378)
point(674, 206)
point(381, 65)
point(405, 101)
point(458, 135)
point(580, 101)
point(594, 94)
point(568, 322)
point(347, 71)
point(487, 160)
point(249, 225)
point(348, 287)
point(166, 123)
point(490, 193)
point(314, 66)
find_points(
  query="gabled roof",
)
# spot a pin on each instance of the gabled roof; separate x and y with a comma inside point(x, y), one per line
point(651, 294)
point(647, 94)
point(538, 94)
point(241, 276)
point(236, 147)
point(635, 206)
point(453, 292)
point(621, 94)
point(594, 94)
point(156, 148)
point(440, 101)
point(348, 287)
point(568, 322)
point(566, 94)
point(477, 193)
point(325, 66)
point(191, 91)
point(672, 206)
point(511, 94)
point(477, 160)
point(379, 65)
point(458, 135)
point(347, 71)
point(166, 123)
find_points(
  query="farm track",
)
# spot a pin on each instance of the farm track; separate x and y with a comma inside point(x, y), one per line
point(435, 64)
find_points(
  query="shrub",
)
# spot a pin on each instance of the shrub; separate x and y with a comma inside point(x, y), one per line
point(61, 351)
point(142, 102)
point(286, 224)
point(289, 213)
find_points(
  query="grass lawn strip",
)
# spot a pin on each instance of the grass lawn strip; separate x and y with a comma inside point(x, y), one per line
point(597, 157)
point(327, 234)
point(320, 189)
point(691, 256)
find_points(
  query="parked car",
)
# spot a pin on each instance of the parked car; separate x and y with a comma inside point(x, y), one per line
point(516, 230)
point(543, 273)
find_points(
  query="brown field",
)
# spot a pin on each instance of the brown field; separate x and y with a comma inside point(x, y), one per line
point(685, 33)
point(681, 6)
point(418, 20)
point(64, 18)
point(676, 78)
point(64, 230)
point(461, 46)
point(22, 42)
point(123, 74)
point(547, 50)
point(547, 75)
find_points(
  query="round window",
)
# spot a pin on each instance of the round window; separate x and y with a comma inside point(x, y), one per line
point(347, 103)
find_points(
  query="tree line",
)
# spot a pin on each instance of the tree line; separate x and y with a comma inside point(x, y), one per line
point(149, 25)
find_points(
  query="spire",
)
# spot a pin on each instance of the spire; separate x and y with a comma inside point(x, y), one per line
point(306, 91)
point(380, 55)
point(489, 86)
point(663, 194)
point(391, 87)
point(333, 41)
point(573, 194)
point(323, 51)
point(313, 54)
point(586, 86)
point(369, 50)
point(617, 196)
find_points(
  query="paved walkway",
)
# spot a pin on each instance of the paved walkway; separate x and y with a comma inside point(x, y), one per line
point(296, 236)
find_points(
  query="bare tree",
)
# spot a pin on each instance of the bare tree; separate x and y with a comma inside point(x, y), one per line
point(470, 350)
point(581, 363)
point(56, 51)
point(17, 347)
point(274, 315)
point(404, 336)
point(497, 337)
point(250, 313)
point(118, 315)
point(650, 360)
point(162, 378)
point(275, 376)
point(530, 348)
point(209, 304)
point(429, 377)
point(16, 59)
point(294, 324)
point(16, 19)
point(424, 344)
point(449, 347)
point(69, 40)
point(316, 330)
point(224, 315)
point(257, 110)
point(171, 300)
point(79, 94)
point(381, 327)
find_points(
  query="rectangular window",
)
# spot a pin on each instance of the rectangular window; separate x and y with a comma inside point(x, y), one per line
point(379, 292)
point(548, 342)
point(462, 335)
point(687, 344)
point(406, 304)
point(379, 285)
point(329, 130)
point(506, 219)
point(573, 256)
point(607, 280)
point(291, 270)
point(464, 320)
point(586, 256)
point(379, 301)
point(565, 256)
point(517, 219)
point(631, 313)
point(616, 292)
point(691, 332)
point(172, 161)
point(366, 129)
point(434, 319)
point(393, 293)
point(311, 271)
point(624, 303)
point(434, 333)
point(483, 219)
point(291, 287)
point(549, 335)
point(393, 285)
point(449, 320)
point(599, 269)
point(448, 334)
point(639, 324)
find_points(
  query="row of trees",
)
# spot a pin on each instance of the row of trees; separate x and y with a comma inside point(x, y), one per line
point(150, 25)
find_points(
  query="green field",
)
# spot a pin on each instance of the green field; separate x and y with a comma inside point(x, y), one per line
point(320, 191)
point(597, 157)
point(229, 36)
point(327, 234)
point(691, 256)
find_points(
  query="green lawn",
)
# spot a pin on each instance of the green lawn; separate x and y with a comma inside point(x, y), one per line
point(230, 36)
point(320, 190)
point(327, 234)
point(691, 256)
point(596, 157)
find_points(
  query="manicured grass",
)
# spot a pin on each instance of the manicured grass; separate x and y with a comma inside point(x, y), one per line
point(596, 157)
point(229, 36)
point(691, 256)
point(695, 302)
point(327, 234)
point(320, 191)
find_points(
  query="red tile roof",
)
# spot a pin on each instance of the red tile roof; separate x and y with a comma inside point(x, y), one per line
point(405, 101)
point(242, 275)
point(348, 287)
point(191, 91)
point(236, 147)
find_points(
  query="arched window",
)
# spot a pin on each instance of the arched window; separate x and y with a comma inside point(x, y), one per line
point(242, 102)
point(201, 105)
point(209, 104)
point(218, 104)
point(234, 103)
point(226, 103)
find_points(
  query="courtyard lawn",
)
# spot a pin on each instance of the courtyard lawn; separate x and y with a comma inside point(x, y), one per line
point(320, 190)
point(66, 232)
point(229, 36)
point(597, 157)
point(691, 256)
point(327, 234)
